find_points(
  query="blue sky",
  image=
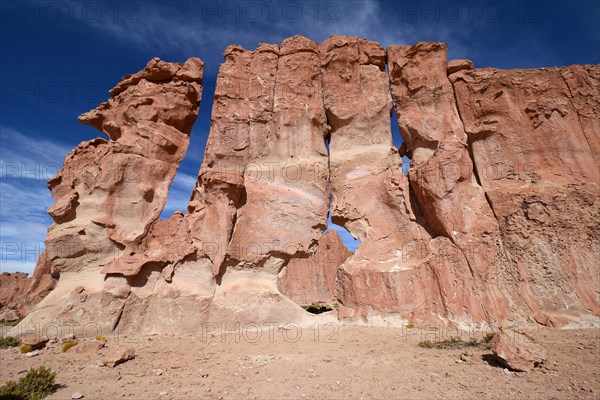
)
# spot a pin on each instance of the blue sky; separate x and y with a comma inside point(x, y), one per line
point(59, 59)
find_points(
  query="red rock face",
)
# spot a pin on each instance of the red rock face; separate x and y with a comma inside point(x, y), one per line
point(12, 288)
point(268, 137)
point(390, 275)
point(442, 176)
point(20, 293)
point(312, 280)
point(496, 222)
point(533, 134)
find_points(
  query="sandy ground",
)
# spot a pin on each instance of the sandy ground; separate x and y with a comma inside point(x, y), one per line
point(331, 362)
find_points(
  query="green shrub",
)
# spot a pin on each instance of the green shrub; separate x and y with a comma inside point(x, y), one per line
point(450, 343)
point(37, 384)
point(11, 391)
point(489, 336)
point(26, 348)
point(68, 345)
point(10, 323)
point(101, 338)
point(8, 341)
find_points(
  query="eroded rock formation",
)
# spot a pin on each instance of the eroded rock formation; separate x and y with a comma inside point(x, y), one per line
point(495, 223)
point(109, 195)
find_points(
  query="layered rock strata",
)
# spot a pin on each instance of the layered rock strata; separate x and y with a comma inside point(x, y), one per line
point(496, 222)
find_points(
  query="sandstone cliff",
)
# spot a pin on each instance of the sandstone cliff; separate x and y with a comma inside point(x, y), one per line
point(495, 223)
point(109, 194)
point(533, 136)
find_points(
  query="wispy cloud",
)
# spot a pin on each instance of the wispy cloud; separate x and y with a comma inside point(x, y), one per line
point(27, 158)
point(209, 27)
point(179, 194)
point(26, 164)
point(184, 181)
point(205, 29)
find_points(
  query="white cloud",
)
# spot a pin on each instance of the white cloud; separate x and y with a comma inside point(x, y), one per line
point(27, 158)
point(209, 27)
point(26, 164)
point(184, 181)
point(179, 194)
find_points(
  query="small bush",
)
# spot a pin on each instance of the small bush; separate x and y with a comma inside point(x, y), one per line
point(410, 325)
point(26, 348)
point(450, 343)
point(101, 338)
point(489, 336)
point(8, 341)
point(11, 391)
point(68, 345)
point(37, 384)
point(149, 339)
point(10, 323)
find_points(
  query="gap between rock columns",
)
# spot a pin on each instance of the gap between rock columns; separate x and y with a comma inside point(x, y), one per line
point(442, 177)
point(398, 273)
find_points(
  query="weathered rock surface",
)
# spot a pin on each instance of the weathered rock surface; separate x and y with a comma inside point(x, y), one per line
point(370, 195)
point(109, 195)
point(266, 172)
point(441, 173)
point(535, 158)
point(12, 287)
point(496, 222)
point(312, 280)
point(20, 293)
point(518, 351)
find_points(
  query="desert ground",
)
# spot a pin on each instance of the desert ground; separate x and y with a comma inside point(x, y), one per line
point(320, 362)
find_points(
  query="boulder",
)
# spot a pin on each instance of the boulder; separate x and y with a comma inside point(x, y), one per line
point(119, 357)
point(517, 351)
point(36, 342)
point(86, 347)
